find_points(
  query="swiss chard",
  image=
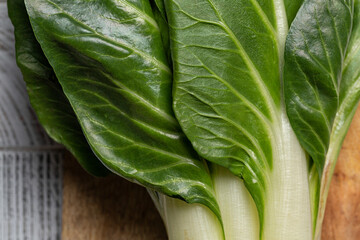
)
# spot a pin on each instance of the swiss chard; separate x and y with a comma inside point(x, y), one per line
point(238, 107)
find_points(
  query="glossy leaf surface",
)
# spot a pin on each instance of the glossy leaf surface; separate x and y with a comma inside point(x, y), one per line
point(314, 60)
point(49, 102)
point(109, 59)
point(158, 8)
point(322, 83)
point(292, 8)
point(227, 82)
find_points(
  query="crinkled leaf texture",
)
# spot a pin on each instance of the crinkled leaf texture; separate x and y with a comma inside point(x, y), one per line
point(227, 83)
point(314, 58)
point(118, 82)
point(47, 98)
point(322, 82)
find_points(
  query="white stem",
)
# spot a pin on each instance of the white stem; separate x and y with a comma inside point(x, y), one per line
point(185, 221)
point(238, 210)
point(287, 207)
point(281, 26)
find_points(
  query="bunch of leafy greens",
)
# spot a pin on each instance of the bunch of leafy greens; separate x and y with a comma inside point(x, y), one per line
point(238, 107)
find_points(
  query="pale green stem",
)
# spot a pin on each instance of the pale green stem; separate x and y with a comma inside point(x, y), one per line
point(287, 204)
point(185, 221)
point(314, 184)
point(287, 213)
point(281, 26)
point(324, 187)
point(238, 210)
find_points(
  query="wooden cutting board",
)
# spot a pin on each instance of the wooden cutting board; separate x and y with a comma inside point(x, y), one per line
point(114, 209)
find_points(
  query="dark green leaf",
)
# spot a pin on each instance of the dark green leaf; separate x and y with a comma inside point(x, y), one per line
point(314, 59)
point(292, 7)
point(45, 93)
point(322, 84)
point(160, 17)
point(109, 58)
point(160, 6)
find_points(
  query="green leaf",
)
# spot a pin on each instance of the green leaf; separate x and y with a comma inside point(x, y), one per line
point(49, 102)
point(322, 83)
point(350, 82)
point(158, 7)
point(118, 82)
point(314, 59)
point(226, 57)
point(292, 7)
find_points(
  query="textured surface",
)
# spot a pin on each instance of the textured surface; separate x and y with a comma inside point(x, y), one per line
point(321, 74)
point(30, 163)
point(322, 82)
point(30, 195)
point(108, 208)
point(342, 216)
